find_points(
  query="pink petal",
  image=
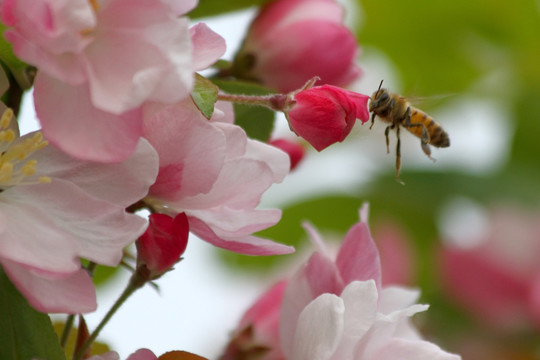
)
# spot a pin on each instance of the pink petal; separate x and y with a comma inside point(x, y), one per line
point(73, 293)
point(142, 354)
point(80, 129)
point(62, 229)
point(123, 183)
point(319, 329)
point(358, 257)
point(208, 46)
point(181, 136)
point(249, 245)
point(264, 315)
point(147, 48)
point(323, 276)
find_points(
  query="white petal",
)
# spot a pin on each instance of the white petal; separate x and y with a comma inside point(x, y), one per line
point(402, 349)
point(319, 329)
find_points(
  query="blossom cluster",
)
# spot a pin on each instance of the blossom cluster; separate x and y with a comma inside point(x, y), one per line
point(127, 125)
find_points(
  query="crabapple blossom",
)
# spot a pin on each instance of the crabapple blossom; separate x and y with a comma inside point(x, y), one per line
point(497, 277)
point(291, 41)
point(55, 209)
point(335, 309)
point(99, 61)
point(324, 115)
point(216, 175)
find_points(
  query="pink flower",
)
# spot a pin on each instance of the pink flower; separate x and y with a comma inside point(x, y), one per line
point(99, 61)
point(216, 175)
point(295, 150)
point(55, 210)
point(335, 309)
point(163, 242)
point(498, 278)
point(291, 41)
point(397, 255)
point(324, 115)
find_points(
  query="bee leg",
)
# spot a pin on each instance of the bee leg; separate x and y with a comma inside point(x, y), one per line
point(386, 132)
point(398, 157)
point(372, 121)
point(425, 139)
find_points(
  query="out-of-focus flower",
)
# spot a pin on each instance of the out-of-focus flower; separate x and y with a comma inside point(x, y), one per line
point(335, 309)
point(292, 41)
point(497, 279)
point(55, 209)
point(99, 61)
point(216, 175)
point(397, 255)
point(163, 242)
point(324, 115)
point(294, 149)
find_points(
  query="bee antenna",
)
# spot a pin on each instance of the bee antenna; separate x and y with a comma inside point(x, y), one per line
point(380, 86)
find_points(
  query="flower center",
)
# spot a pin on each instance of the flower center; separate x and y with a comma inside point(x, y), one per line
point(16, 167)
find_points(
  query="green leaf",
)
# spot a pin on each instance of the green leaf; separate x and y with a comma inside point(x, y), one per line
point(258, 122)
point(216, 7)
point(204, 95)
point(25, 333)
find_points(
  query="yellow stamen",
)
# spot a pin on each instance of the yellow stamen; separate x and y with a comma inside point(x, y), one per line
point(6, 172)
point(45, 179)
point(6, 118)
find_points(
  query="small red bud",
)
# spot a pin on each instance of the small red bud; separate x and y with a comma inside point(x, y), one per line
point(163, 242)
point(324, 115)
point(294, 149)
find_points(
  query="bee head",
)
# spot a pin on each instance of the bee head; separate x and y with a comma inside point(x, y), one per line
point(379, 98)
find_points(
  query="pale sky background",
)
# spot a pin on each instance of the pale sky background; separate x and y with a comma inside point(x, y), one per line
point(200, 301)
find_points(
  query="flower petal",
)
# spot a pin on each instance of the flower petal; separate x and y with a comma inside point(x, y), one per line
point(208, 46)
point(72, 293)
point(319, 329)
point(249, 245)
point(358, 257)
point(80, 129)
point(65, 224)
point(403, 349)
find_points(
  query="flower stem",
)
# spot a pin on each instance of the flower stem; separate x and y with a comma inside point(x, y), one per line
point(276, 102)
point(136, 281)
point(67, 330)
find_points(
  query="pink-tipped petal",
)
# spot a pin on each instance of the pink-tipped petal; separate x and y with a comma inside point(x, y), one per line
point(248, 245)
point(358, 258)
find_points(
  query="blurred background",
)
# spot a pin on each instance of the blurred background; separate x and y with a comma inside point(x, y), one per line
point(465, 229)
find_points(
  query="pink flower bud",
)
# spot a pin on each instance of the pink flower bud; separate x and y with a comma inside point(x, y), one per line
point(292, 41)
point(326, 114)
point(294, 149)
point(165, 239)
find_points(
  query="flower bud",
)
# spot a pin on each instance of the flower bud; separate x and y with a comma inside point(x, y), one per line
point(324, 115)
point(165, 239)
point(294, 149)
point(292, 41)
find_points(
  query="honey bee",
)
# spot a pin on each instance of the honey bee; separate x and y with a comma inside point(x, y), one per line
point(396, 110)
